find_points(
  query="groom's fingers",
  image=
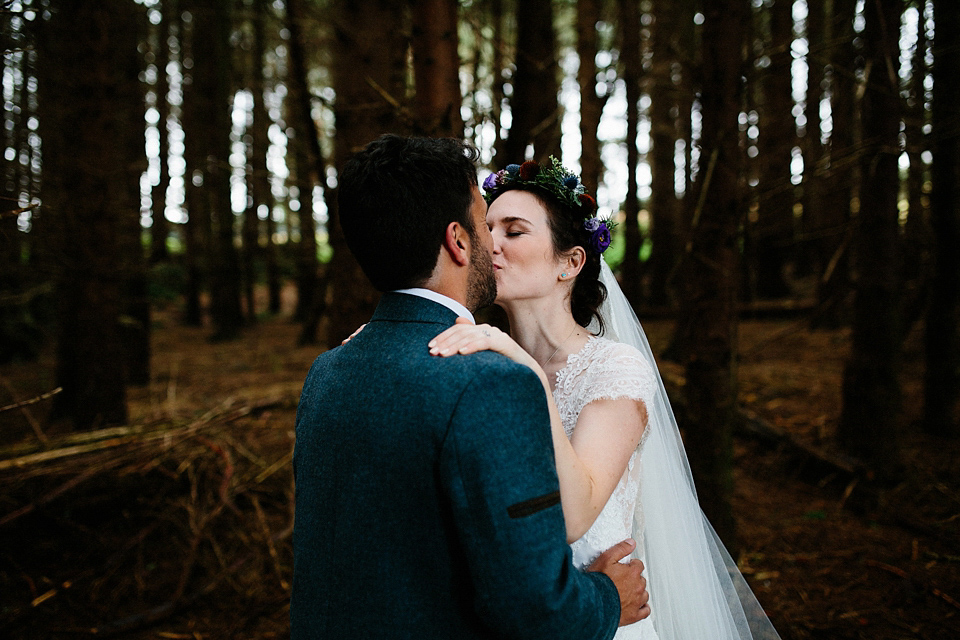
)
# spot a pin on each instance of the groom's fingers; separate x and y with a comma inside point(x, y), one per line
point(616, 553)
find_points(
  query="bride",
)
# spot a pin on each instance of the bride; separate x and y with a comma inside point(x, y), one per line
point(620, 460)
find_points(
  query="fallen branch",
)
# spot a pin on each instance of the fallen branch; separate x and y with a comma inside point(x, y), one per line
point(923, 583)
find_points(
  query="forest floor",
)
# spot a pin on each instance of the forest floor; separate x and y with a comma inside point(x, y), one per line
point(178, 525)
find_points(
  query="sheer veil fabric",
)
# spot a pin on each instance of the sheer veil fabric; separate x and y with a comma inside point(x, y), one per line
point(696, 590)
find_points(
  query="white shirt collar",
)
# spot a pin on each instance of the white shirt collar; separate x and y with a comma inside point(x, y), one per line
point(439, 298)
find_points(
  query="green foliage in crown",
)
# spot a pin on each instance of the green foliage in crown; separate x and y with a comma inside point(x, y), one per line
point(563, 184)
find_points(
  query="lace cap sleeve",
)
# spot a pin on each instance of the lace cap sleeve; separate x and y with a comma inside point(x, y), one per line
point(618, 371)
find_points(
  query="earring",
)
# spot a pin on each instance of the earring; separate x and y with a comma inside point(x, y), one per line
point(563, 275)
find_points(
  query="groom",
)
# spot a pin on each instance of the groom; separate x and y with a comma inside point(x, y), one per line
point(427, 503)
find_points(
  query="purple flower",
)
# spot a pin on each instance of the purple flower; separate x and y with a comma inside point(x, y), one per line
point(601, 239)
point(491, 182)
point(591, 224)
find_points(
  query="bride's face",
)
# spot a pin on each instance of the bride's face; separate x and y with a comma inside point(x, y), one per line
point(524, 261)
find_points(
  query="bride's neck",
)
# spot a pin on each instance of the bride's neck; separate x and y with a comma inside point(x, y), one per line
point(545, 329)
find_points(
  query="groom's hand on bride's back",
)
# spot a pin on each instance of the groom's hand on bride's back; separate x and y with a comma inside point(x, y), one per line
point(631, 585)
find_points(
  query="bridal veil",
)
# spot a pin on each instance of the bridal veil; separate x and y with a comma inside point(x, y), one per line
point(696, 590)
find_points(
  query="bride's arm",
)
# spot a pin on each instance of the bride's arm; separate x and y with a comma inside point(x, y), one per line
point(589, 465)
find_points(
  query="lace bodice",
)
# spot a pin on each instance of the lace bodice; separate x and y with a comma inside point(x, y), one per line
point(607, 369)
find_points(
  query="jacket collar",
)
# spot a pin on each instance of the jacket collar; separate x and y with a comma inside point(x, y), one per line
point(403, 307)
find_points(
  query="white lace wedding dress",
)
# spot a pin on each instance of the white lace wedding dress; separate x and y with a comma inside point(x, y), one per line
point(607, 369)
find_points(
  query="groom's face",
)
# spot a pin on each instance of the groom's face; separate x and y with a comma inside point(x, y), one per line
point(481, 283)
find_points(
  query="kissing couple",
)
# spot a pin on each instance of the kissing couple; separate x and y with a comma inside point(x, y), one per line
point(453, 481)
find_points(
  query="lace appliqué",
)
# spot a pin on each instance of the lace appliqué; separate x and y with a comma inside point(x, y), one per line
point(604, 369)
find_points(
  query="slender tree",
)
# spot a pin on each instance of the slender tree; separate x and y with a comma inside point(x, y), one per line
point(369, 69)
point(631, 60)
point(212, 74)
point(135, 324)
point(436, 68)
point(663, 133)
point(868, 421)
point(534, 105)
point(708, 305)
point(307, 161)
point(260, 191)
point(917, 238)
point(87, 73)
point(773, 233)
point(814, 153)
point(196, 230)
point(834, 231)
point(941, 414)
point(591, 105)
point(160, 228)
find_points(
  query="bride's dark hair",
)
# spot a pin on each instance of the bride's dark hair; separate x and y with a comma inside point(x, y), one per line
point(567, 231)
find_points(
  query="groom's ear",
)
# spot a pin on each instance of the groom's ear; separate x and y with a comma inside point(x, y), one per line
point(456, 242)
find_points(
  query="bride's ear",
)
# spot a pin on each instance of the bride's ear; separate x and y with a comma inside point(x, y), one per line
point(572, 262)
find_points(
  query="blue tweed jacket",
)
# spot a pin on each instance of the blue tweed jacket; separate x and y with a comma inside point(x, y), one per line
point(427, 503)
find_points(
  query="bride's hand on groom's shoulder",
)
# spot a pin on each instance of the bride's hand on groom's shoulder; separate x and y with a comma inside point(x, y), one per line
point(628, 578)
point(353, 335)
point(464, 338)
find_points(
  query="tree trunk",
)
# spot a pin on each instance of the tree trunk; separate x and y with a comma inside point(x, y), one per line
point(773, 232)
point(834, 227)
point(591, 106)
point(259, 173)
point(917, 236)
point(663, 200)
point(436, 69)
point(196, 230)
point(941, 415)
point(88, 75)
point(630, 58)
point(369, 46)
point(212, 76)
point(534, 105)
point(708, 306)
point(868, 421)
point(160, 228)
point(308, 161)
point(135, 321)
point(814, 156)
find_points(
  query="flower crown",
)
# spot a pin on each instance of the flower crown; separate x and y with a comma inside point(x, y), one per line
point(564, 185)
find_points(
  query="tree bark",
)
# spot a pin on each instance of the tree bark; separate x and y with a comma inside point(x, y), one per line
point(212, 75)
point(196, 230)
point(88, 75)
point(708, 306)
point(941, 415)
point(436, 69)
point(259, 173)
point(663, 200)
point(834, 229)
point(630, 58)
point(917, 236)
point(160, 228)
point(773, 232)
point(368, 73)
point(868, 420)
point(814, 154)
point(591, 106)
point(308, 162)
point(534, 105)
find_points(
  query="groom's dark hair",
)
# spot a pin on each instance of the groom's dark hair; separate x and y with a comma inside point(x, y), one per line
point(395, 200)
